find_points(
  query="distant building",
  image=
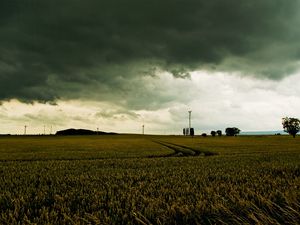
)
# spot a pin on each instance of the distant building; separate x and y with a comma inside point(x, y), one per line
point(188, 132)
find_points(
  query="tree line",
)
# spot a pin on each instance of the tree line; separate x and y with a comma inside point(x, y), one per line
point(229, 131)
point(290, 126)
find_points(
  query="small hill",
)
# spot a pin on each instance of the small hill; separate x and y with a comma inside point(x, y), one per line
point(81, 132)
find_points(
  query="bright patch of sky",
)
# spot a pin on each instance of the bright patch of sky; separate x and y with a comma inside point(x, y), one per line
point(218, 100)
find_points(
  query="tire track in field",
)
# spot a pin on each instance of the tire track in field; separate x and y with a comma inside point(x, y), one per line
point(197, 152)
point(181, 150)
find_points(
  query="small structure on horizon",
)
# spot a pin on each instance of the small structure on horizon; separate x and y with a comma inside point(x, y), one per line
point(189, 131)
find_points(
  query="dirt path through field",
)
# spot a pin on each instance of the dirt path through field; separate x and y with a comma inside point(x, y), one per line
point(181, 150)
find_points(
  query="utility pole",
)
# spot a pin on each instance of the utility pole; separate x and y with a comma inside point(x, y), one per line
point(143, 127)
point(97, 131)
point(190, 118)
point(25, 129)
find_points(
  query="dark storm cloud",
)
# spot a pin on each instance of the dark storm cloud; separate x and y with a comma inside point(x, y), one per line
point(96, 49)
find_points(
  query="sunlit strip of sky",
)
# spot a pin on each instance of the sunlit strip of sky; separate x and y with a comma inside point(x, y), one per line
point(218, 100)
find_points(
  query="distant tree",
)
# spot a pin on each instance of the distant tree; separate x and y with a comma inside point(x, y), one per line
point(213, 133)
point(232, 131)
point(291, 125)
point(219, 132)
point(203, 134)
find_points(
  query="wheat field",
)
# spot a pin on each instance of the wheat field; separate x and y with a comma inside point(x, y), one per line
point(135, 179)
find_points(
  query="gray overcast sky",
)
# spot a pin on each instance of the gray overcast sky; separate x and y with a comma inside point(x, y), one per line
point(114, 64)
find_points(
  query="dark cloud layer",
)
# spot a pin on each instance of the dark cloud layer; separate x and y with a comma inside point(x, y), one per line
point(55, 49)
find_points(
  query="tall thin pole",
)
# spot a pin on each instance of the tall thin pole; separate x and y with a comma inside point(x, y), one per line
point(44, 129)
point(190, 118)
point(25, 128)
point(143, 127)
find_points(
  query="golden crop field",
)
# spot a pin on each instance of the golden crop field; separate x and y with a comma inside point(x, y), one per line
point(132, 179)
